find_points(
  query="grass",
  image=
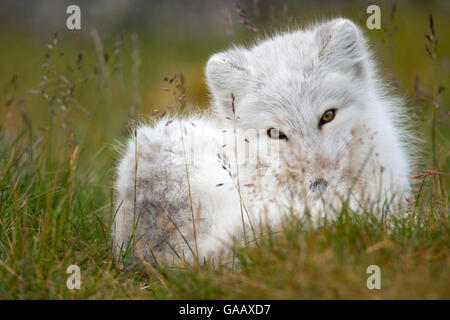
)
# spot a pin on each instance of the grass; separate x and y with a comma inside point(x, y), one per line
point(56, 175)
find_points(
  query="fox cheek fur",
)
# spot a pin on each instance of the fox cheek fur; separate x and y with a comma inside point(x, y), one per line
point(337, 126)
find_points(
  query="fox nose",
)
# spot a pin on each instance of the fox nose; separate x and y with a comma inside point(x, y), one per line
point(318, 185)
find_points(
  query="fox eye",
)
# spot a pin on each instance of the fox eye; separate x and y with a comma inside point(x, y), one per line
point(276, 134)
point(327, 116)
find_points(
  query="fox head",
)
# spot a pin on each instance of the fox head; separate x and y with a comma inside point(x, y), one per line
point(315, 92)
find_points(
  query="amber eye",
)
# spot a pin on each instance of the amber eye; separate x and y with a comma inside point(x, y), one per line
point(276, 134)
point(327, 117)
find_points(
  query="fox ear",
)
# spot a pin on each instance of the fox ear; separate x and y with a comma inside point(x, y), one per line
point(342, 44)
point(226, 74)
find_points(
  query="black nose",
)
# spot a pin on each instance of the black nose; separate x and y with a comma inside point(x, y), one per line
point(318, 185)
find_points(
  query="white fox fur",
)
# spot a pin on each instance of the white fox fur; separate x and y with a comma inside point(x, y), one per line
point(189, 168)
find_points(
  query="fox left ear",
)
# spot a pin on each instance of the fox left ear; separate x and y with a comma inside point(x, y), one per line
point(342, 45)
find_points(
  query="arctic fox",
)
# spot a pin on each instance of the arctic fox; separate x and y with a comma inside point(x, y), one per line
point(313, 99)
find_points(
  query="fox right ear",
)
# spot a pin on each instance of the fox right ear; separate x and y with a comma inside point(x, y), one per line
point(227, 73)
